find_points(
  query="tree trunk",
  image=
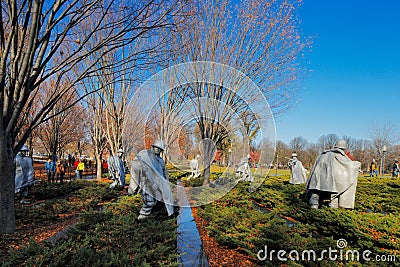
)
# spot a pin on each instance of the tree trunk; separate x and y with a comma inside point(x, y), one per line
point(7, 187)
point(55, 142)
point(208, 156)
point(98, 167)
point(206, 178)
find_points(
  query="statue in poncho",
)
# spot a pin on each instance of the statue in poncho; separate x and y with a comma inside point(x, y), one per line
point(194, 167)
point(24, 175)
point(149, 174)
point(243, 170)
point(298, 174)
point(116, 169)
point(333, 178)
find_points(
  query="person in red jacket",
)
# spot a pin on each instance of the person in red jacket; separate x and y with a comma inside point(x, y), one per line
point(104, 166)
point(76, 162)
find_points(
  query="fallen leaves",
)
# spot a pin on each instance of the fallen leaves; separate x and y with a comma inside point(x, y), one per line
point(219, 255)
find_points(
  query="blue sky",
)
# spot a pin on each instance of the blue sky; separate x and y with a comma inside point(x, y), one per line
point(354, 81)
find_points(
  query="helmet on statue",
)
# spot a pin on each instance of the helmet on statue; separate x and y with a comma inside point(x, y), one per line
point(160, 144)
point(341, 144)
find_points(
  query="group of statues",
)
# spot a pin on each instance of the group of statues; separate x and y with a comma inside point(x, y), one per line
point(332, 180)
point(149, 176)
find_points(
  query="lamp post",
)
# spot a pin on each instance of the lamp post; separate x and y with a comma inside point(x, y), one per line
point(276, 174)
point(384, 149)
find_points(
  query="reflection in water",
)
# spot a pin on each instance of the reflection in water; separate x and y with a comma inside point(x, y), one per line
point(189, 243)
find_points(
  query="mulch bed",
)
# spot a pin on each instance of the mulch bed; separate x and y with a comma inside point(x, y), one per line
point(219, 255)
point(33, 231)
point(26, 232)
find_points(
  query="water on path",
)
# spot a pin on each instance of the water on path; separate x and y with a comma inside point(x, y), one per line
point(189, 242)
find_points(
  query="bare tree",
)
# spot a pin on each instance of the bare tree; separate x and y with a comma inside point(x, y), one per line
point(326, 142)
point(114, 95)
point(32, 33)
point(107, 106)
point(310, 155)
point(258, 38)
point(94, 121)
point(119, 73)
point(282, 151)
point(251, 125)
point(351, 142)
point(383, 136)
point(360, 151)
point(59, 130)
point(298, 144)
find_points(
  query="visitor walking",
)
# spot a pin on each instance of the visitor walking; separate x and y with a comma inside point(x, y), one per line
point(60, 171)
point(396, 169)
point(50, 168)
point(80, 168)
point(373, 170)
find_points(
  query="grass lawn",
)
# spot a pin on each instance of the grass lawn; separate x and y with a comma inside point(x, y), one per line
point(277, 217)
